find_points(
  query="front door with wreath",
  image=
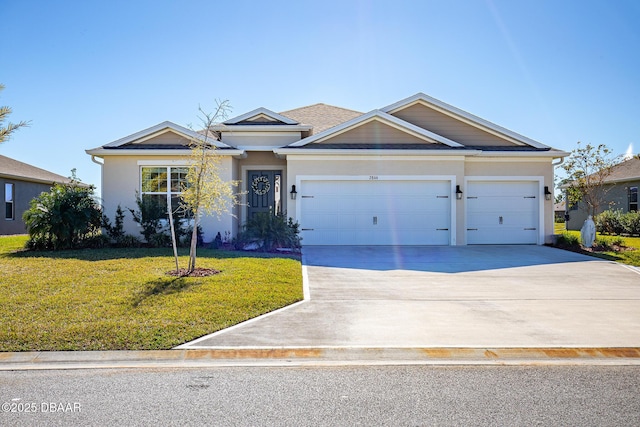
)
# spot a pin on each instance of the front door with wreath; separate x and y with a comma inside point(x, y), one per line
point(264, 192)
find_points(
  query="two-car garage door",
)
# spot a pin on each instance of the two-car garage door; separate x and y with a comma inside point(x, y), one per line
point(375, 212)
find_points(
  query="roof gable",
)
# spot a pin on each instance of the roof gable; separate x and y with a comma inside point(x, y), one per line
point(164, 134)
point(355, 130)
point(261, 116)
point(454, 123)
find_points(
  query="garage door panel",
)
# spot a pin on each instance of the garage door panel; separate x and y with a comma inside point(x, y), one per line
point(375, 213)
point(502, 204)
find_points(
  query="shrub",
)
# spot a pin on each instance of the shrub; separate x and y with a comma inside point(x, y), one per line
point(610, 222)
point(153, 218)
point(616, 222)
point(149, 215)
point(568, 240)
point(631, 222)
point(66, 217)
point(271, 231)
point(115, 231)
point(604, 243)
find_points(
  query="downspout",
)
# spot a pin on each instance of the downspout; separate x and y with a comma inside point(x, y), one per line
point(93, 159)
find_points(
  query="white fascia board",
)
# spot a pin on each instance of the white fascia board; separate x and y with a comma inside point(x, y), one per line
point(337, 153)
point(161, 128)
point(101, 152)
point(384, 118)
point(551, 154)
point(466, 117)
point(259, 111)
point(258, 147)
point(261, 128)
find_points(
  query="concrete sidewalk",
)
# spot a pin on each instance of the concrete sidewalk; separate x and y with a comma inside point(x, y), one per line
point(450, 297)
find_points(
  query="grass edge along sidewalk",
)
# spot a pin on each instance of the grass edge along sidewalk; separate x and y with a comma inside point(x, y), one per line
point(122, 299)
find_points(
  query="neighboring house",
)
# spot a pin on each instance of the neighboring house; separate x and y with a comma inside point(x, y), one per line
point(417, 172)
point(19, 184)
point(621, 193)
point(559, 210)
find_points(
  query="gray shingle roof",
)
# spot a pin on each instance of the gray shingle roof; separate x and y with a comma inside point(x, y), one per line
point(625, 171)
point(321, 116)
point(10, 168)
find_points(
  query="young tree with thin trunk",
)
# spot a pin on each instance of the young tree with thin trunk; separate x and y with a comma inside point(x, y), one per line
point(205, 191)
point(6, 131)
point(587, 169)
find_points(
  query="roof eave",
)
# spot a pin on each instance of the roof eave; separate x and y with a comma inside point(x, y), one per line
point(36, 180)
point(102, 152)
point(262, 128)
point(369, 152)
point(550, 153)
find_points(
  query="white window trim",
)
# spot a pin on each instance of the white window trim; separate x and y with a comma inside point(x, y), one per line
point(155, 164)
point(13, 201)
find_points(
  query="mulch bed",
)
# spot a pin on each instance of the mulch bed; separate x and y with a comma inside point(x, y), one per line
point(198, 272)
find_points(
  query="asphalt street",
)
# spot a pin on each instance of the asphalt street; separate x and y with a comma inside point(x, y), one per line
point(325, 396)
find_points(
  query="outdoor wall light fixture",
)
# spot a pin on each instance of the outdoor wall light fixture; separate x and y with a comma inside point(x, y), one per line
point(547, 193)
point(293, 193)
point(458, 193)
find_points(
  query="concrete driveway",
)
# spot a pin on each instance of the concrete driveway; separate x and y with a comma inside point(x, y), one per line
point(464, 296)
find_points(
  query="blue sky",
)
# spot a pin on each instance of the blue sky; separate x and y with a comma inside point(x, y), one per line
point(89, 72)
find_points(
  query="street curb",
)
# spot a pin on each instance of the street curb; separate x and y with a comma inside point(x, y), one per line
point(297, 356)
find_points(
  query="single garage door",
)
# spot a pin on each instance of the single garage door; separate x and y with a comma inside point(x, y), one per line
point(502, 212)
point(373, 212)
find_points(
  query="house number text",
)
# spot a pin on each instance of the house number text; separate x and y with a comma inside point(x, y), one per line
point(373, 177)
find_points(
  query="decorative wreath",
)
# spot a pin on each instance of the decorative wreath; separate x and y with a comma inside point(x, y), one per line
point(257, 188)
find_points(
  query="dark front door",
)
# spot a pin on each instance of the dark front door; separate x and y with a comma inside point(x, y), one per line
point(264, 192)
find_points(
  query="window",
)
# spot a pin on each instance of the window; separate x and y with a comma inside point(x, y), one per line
point(633, 199)
point(10, 211)
point(160, 185)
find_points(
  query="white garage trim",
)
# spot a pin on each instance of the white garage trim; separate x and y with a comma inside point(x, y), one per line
point(538, 180)
point(450, 179)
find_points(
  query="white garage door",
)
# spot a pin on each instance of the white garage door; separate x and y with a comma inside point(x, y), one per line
point(502, 212)
point(375, 212)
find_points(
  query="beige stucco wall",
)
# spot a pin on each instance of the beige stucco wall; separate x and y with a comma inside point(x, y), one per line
point(455, 166)
point(121, 181)
point(260, 139)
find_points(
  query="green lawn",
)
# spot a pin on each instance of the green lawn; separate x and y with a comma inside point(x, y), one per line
point(630, 256)
point(113, 299)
